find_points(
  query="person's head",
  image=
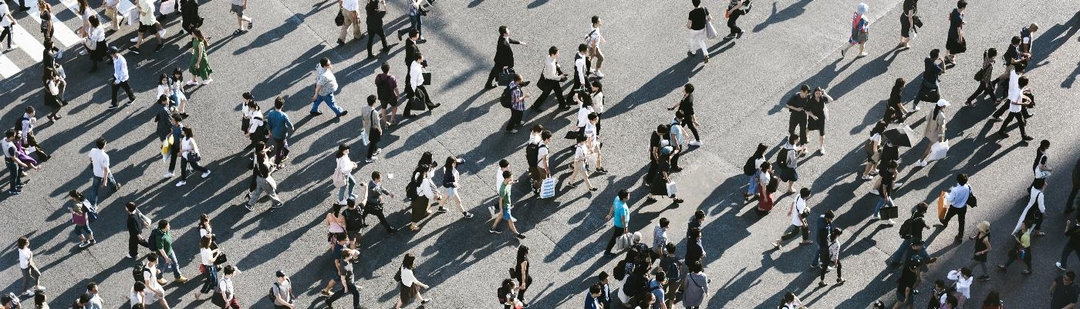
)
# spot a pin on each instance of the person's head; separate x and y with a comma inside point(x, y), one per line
point(130, 207)
point(177, 119)
point(553, 51)
point(961, 179)
point(669, 249)
point(204, 242)
point(1024, 225)
point(916, 245)
point(408, 261)
point(695, 267)
point(342, 150)
point(1019, 68)
point(1023, 81)
point(597, 86)
point(229, 270)
point(983, 227)
point(163, 100)
point(504, 31)
point(688, 88)
point(789, 297)
point(804, 193)
point(593, 118)
point(324, 62)
point(198, 35)
point(94, 22)
point(1069, 277)
point(280, 276)
point(594, 290)
point(939, 285)
point(1034, 27)
point(186, 132)
point(335, 209)
point(522, 253)
point(1039, 183)
point(92, 287)
point(696, 3)
point(992, 299)
point(163, 225)
point(139, 287)
point(1015, 40)
point(624, 195)
point(536, 129)
point(163, 79)
point(992, 53)
point(371, 99)
point(961, 5)
point(661, 129)
point(603, 277)
point(517, 78)
point(508, 177)
point(9, 134)
point(829, 215)
point(100, 143)
point(581, 139)
point(794, 138)
point(582, 48)
point(935, 53)
point(151, 258)
point(966, 272)
point(1044, 145)
point(804, 90)
point(545, 136)
point(766, 166)
point(39, 296)
point(279, 102)
point(664, 222)
point(892, 165)
point(341, 238)
point(75, 196)
point(596, 21)
point(879, 127)
point(419, 58)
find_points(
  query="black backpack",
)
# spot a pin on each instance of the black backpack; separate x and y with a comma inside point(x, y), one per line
point(774, 183)
point(139, 273)
point(273, 296)
point(414, 182)
point(507, 98)
point(905, 228)
point(782, 157)
point(532, 153)
point(622, 269)
point(261, 133)
point(749, 169)
point(354, 219)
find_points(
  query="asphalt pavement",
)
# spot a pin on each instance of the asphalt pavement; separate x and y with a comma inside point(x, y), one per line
point(739, 104)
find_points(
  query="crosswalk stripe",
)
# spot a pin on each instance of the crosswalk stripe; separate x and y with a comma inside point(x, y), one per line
point(7, 68)
point(64, 35)
point(27, 43)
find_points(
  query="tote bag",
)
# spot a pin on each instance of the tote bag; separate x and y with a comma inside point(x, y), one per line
point(547, 188)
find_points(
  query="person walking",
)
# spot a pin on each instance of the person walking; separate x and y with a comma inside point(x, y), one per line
point(1072, 230)
point(1021, 248)
point(982, 249)
point(798, 212)
point(161, 242)
point(581, 154)
point(505, 207)
point(283, 292)
point(408, 285)
point(551, 79)
point(374, 204)
point(1041, 169)
point(696, 22)
point(581, 71)
point(1035, 211)
point(834, 259)
point(751, 170)
point(325, 86)
point(386, 87)
point(15, 165)
point(416, 22)
point(6, 22)
point(113, 13)
point(207, 257)
point(765, 186)
point(238, 7)
point(517, 104)
point(620, 219)
point(797, 118)
point(860, 31)
point(817, 111)
point(959, 197)
point(263, 180)
point(689, 119)
point(593, 40)
point(103, 176)
point(1017, 103)
point(173, 140)
point(788, 161)
point(228, 291)
point(189, 155)
point(200, 64)
point(1064, 291)
point(375, 10)
point(281, 128)
point(94, 42)
point(136, 223)
point(695, 287)
point(908, 24)
point(885, 190)
point(929, 90)
point(934, 131)
point(82, 212)
point(120, 78)
point(450, 182)
point(189, 16)
point(29, 267)
point(504, 56)
point(522, 274)
point(343, 178)
point(418, 93)
point(823, 230)
point(372, 128)
point(736, 9)
point(148, 24)
point(348, 279)
point(955, 43)
point(350, 9)
point(986, 81)
point(354, 222)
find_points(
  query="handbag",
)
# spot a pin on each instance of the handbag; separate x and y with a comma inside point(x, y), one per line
point(506, 76)
point(917, 21)
point(194, 156)
point(710, 31)
point(221, 259)
point(427, 78)
point(547, 188)
point(891, 212)
point(942, 206)
point(972, 201)
point(340, 18)
point(981, 74)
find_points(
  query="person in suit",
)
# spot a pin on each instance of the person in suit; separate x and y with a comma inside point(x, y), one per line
point(504, 56)
point(376, 10)
point(417, 91)
point(411, 49)
point(551, 80)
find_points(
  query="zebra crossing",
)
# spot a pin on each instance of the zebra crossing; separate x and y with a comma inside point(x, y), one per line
point(28, 48)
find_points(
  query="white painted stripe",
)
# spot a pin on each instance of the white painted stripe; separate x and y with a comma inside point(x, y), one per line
point(27, 43)
point(7, 68)
point(64, 35)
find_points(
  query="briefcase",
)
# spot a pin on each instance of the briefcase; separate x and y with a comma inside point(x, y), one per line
point(506, 76)
point(891, 212)
point(427, 78)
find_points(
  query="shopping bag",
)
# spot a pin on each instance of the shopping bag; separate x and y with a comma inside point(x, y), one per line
point(710, 31)
point(938, 151)
point(364, 137)
point(672, 189)
point(942, 206)
point(167, 7)
point(547, 188)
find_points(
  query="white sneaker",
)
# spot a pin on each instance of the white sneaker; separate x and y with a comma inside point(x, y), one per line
point(208, 81)
point(206, 174)
point(920, 163)
point(695, 143)
point(598, 74)
point(128, 257)
point(898, 184)
point(916, 108)
point(163, 32)
point(82, 52)
point(168, 175)
point(1058, 264)
point(892, 222)
point(191, 83)
point(875, 217)
point(181, 183)
point(874, 191)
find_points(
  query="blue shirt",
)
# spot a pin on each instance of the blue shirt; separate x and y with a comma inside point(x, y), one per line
point(958, 195)
point(621, 213)
point(279, 123)
point(676, 131)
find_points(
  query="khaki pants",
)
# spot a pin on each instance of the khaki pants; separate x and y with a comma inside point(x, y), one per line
point(350, 20)
point(114, 17)
point(594, 52)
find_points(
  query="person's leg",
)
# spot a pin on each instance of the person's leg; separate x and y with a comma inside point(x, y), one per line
point(93, 194)
point(127, 89)
point(382, 36)
point(211, 280)
point(344, 27)
point(175, 264)
point(1001, 110)
point(115, 89)
point(281, 150)
point(382, 220)
point(1071, 203)
point(543, 94)
point(427, 97)
point(6, 33)
point(271, 190)
point(1021, 122)
point(693, 128)
point(332, 103)
point(790, 233)
point(699, 36)
point(513, 228)
point(802, 130)
point(173, 153)
point(900, 254)
point(370, 40)
point(515, 119)
point(315, 104)
point(495, 70)
point(599, 55)
point(805, 233)
point(961, 213)
point(133, 245)
point(183, 168)
point(615, 233)
point(355, 291)
point(258, 191)
point(1005, 124)
point(1064, 260)
point(557, 90)
point(732, 27)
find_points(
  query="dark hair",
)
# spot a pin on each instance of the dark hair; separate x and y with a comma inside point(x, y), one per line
point(522, 253)
point(594, 289)
point(624, 195)
point(22, 242)
point(100, 143)
point(765, 165)
point(341, 150)
point(696, 3)
point(39, 298)
point(92, 286)
point(804, 192)
point(664, 222)
point(602, 276)
point(418, 56)
point(76, 195)
point(760, 151)
point(992, 52)
point(187, 132)
point(247, 96)
point(371, 100)
point(961, 4)
point(1016, 40)
point(152, 257)
point(517, 78)
point(829, 214)
point(1019, 67)
point(385, 67)
point(94, 22)
point(1071, 275)
point(689, 88)
point(165, 77)
point(335, 208)
point(545, 135)
point(205, 241)
point(279, 102)
point(582, 47)
point(920, 208)
point(130, 206)
point(502, 30)
point(879, 127)
point(992, 299)
point(934, 53)
point(507, 174)
point(325, 62)
point(413, 33)
point(599, 86)
point(962, 179)
point(669, 248)
point(695, 266)
point(162, 224)
point(408, 261)
point(504, 163)
point(595, 19)
point(552, 50)
point(804, 87)
point(139, 287)
point(1043, 145)
point(229, 269)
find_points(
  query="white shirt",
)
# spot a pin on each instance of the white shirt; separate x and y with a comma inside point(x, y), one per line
point(27, 126)
point(24, 257)
point(162, 90)
point(345, 165)
point(350, 5)
point(550, 71)
point(5, 15)
point(120, 70)
point(797, 208)
point(579, 152)
point(251, 113)
point(594, 37)
point(579, 65)
point(1036, 198)
point(407, 277)
point(499, 177)
point(416, 75)
point(97, 34)
point(226, 287)
point(598, 102)
point(963, 285)
point(187, 145)
point(1014, 91)
point(541, 153)
point(583, 115)
point(150, 273)
point(100, 160)
point(147, 9)
point(206, 255)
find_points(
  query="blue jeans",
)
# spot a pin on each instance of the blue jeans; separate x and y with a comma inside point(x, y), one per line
point(94, 194)
point(416, 23)
point(211, 279)
point(175, 267)
point(16, 174)
point(350, 183)
point(881, 202)
point(329, 99)
point(753, 185)
point(901, 254)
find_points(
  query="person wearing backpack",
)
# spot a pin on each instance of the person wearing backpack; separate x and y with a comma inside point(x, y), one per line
point(766, 184)
point(508, 294)
point(798, 212)
point(695, 286)
point(348, 279)
point(146, 275)
point(514, 99)
point(670, 266)
point(82, 213)
point(354, 221)
point(788, 161)
point(824, 228)
point(911, 231)
point(136, 223)
point(504, 56)
point(282, 293)
point(386, 87)
point(162, 241)
point(751, 170)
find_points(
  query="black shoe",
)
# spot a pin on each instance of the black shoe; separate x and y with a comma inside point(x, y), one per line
point(739, 35)
point(391, 232)
point(526, 83)
point(370, 56)
point(113, 107)
point(340, 42)
point(434, 106)
point(1028, 138)
point(134, 50)
point(316, 113)
point(158, 48)
point(343, 113)
point(130, 100)
point(520, 236)
point(421, 41)
point(689, 54)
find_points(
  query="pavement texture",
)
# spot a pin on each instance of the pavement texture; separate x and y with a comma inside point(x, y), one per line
point(739, 102)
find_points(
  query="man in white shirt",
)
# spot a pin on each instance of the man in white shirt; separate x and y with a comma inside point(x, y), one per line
point(100, 161)
point(94, 301)
point(550, 81)
point(351, 10)
point(958, 201)
point(416, 84)
point(6, 21)
point(325, 86)
point(283, 294)
point(120, 77)
point(581, 68)
point(593, 40)
point(228, 293)
point(1016, 102)
point(799, 212)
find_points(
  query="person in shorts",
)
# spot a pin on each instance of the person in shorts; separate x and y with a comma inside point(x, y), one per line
point(238, 7)
point(148, 24)
point(387, 89)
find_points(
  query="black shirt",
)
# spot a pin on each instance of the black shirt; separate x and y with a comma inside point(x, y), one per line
point(697, 18)
point(374, 16)
point(887, 179)
point(797, 101)
point(687, 105)
point(654, 145)
point(907, 280)
point(694, 252)
point(1073, 232)
point(931, 72)
point(504, 55)
point(1011, 54)
point(1063, 295)
point(917, 227)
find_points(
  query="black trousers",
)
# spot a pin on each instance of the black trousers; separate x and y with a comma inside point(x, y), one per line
point(371, 39)
point(653, 169)
point(984, 88)
point(795, 120)
point(373, 143)
point(6, 33)
point(515, 119)
point(1071, 203)
point(421, 94)
point(839, 270)
point(615, 233)
point(732, 20)
point(378, 213)
point(549, 87)
point(794, 231)
point(133, 244)
point(353, 290)
point(689, 124)
point(960, 213)
point(1019, 120)
point(675, 159)
point(1065, 252)
point(495, 70)
point(116, 88)
point(174, 151)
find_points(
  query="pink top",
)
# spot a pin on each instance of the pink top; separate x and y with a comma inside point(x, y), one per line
point(78, 219)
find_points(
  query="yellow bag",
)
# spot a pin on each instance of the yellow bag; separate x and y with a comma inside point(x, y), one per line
point(942, 206)
point(168, 142)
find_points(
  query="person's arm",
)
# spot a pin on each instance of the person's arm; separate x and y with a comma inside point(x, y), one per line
point(736, 7)
point(1052, 287)
point(315, 94)
point(688, 23)
point(523, 276)
point(513, 41)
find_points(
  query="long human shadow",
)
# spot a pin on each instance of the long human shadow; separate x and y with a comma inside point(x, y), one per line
point(1058, 35)
point(792, 11)
point(669, 79)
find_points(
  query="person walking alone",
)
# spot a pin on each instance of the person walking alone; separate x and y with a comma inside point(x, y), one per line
point(593, 40)
point(325, 86)
point(958, 198)
point(551, 79)
point(386, 87)
point(505, 207)
point(281, 128)
point(735, 9)
point(504, 56)
point(409, 286)
point(374, 204)
point(517, 104)
point(620, 219)
point(189, 154)
point(350, 9)
point(120, 77)
point(860, 31)
point(689, 119)
point(696, 22)
point(103, 176)
point(376, 10)
point(136, 223)
point(29, 268)
point(263, 180)
point(200, 64)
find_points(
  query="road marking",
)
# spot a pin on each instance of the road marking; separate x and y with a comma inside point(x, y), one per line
point(7, 68)
point(27, 43)
point(61, 32)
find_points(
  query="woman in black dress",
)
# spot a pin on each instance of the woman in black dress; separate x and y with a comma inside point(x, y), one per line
point(658, 186)
point(908, 23)
point(818, 113)
point(189, 15)
point(895, 110)
point(521, 271)
point(956, 43)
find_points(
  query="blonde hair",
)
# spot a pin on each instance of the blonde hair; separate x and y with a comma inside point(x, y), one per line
point(984, 227)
